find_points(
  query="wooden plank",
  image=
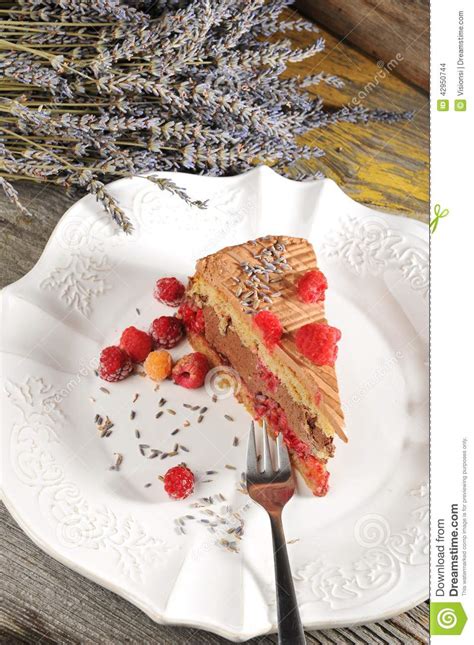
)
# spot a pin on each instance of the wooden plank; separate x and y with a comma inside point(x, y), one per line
point(22, 240)
point(383, 29)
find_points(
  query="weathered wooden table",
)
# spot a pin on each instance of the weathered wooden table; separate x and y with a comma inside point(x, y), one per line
point(384, 166)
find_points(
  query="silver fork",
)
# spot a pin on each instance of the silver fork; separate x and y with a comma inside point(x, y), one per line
point(272, 488)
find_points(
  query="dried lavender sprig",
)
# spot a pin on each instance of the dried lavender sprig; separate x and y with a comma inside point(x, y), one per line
point(322, 77)
point(22, 67)
point(12, 196)
point(169, 185)
point(78, 10)
point(167, 85)
point(110, 205)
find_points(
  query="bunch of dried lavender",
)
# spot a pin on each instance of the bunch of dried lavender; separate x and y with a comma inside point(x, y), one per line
point(110, 88)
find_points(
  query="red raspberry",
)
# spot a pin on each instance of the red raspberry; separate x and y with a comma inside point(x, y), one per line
point(179, 482)
point(270, 326)
point(169, 291)
point(166, 331)
point(317, 341)
point(190, 371)
point(136, 343)
point(114, 364)
point(192, 316)
point(312, 286)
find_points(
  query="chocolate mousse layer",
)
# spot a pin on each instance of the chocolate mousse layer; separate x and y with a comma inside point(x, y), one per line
point(229, 346)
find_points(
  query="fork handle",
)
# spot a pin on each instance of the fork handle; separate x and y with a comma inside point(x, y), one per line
point(290, 628)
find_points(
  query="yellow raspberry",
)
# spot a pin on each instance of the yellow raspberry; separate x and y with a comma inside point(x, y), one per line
point(158, 365)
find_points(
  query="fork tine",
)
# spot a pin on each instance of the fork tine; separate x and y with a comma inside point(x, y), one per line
point(267, 458)
point(252, 470)
point(283, 457)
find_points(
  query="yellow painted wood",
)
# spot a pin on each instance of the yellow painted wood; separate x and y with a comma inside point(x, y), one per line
point(384, 166)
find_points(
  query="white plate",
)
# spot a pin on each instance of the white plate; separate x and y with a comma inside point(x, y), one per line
point(362, 552)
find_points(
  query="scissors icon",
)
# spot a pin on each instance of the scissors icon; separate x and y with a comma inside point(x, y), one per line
point(439, 214)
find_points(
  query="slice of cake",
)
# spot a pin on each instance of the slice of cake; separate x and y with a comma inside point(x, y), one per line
point(259, 308)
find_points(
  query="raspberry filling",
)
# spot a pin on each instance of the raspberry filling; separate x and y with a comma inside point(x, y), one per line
point(268, 409)
point(192, 317)
point(317, 474)
point(269, 378)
